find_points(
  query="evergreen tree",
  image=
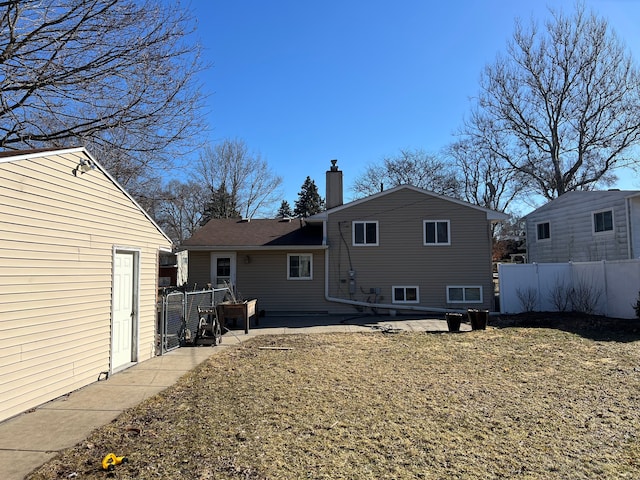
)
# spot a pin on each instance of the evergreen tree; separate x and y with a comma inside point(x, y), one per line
point(285, 210)
point(309, 201)
point(220, 205)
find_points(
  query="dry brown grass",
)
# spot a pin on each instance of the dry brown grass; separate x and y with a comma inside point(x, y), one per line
point(526, 403)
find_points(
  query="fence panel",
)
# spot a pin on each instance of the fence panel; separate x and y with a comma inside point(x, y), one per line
point(554, 286)
point(623, 286)
point(606, 288)
point(589, 287)
point(178, 316)
point(170, 315)
point(515, 282)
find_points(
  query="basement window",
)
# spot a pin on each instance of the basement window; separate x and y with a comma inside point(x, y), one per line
point(405, 295)
point(464, 294)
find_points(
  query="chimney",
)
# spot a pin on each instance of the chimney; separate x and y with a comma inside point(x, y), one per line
point(334, 186)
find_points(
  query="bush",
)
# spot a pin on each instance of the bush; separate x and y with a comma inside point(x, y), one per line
point(585, 296)
point(528, 298)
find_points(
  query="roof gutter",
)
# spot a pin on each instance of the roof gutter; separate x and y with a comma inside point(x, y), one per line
point(246, 248)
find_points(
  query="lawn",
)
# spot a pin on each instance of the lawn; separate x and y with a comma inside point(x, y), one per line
point(525, 403)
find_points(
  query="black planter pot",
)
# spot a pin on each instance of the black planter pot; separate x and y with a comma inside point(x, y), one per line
point(453, 321)
point(478, 318)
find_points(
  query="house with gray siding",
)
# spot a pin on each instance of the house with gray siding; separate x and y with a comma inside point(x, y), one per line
point(400, 249)
point(584, 227)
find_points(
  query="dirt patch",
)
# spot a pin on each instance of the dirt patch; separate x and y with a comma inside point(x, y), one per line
point(502, 403)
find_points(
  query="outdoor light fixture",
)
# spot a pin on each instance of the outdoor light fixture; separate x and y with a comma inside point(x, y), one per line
point(83, 167)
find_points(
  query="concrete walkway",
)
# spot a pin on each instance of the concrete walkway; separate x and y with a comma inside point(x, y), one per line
point(29, 440)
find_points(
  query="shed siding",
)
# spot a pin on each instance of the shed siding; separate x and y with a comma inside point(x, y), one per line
point(57, 236)
point(571, 230)
point(402, 259)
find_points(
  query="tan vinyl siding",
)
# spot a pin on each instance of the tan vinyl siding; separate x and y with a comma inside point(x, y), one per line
point(402, 259)
point(199, 268)
point(265, 278)
point(399, 259)
point(57, 238)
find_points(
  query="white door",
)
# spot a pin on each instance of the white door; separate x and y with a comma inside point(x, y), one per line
point(223, 269)
point(123, 309)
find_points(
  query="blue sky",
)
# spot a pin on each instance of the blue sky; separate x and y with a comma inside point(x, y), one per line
point(303, 82)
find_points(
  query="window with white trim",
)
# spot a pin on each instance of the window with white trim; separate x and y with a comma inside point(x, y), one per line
point(464, 294)
point(436, 232)
point(405, 294)
point(299, 266)
point(603, 221)
point(365, 233)
point(543, 231)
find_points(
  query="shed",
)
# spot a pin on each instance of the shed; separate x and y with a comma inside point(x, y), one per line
point(78, 276)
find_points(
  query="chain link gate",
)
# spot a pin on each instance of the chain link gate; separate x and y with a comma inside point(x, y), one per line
point(178, 316)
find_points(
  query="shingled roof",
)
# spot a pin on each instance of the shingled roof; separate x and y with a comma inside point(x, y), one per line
point(225, 232)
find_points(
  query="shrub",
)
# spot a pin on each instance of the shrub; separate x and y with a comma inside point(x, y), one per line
point(560, 294)
point(528, 298)
point(585, 297)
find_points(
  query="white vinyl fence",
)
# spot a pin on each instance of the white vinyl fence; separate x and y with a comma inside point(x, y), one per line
point(607, 288)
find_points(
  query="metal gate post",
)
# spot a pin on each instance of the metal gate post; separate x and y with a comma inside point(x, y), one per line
point(163, 325)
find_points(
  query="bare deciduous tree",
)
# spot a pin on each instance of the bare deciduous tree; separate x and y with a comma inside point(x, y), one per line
point(484, 178)
point(117, 76)
point(178, 210)
point(409, 167)
point(245, 179)
point(561, 107)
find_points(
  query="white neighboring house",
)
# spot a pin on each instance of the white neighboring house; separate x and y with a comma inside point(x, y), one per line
point(78, 276)
point(584, 227)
